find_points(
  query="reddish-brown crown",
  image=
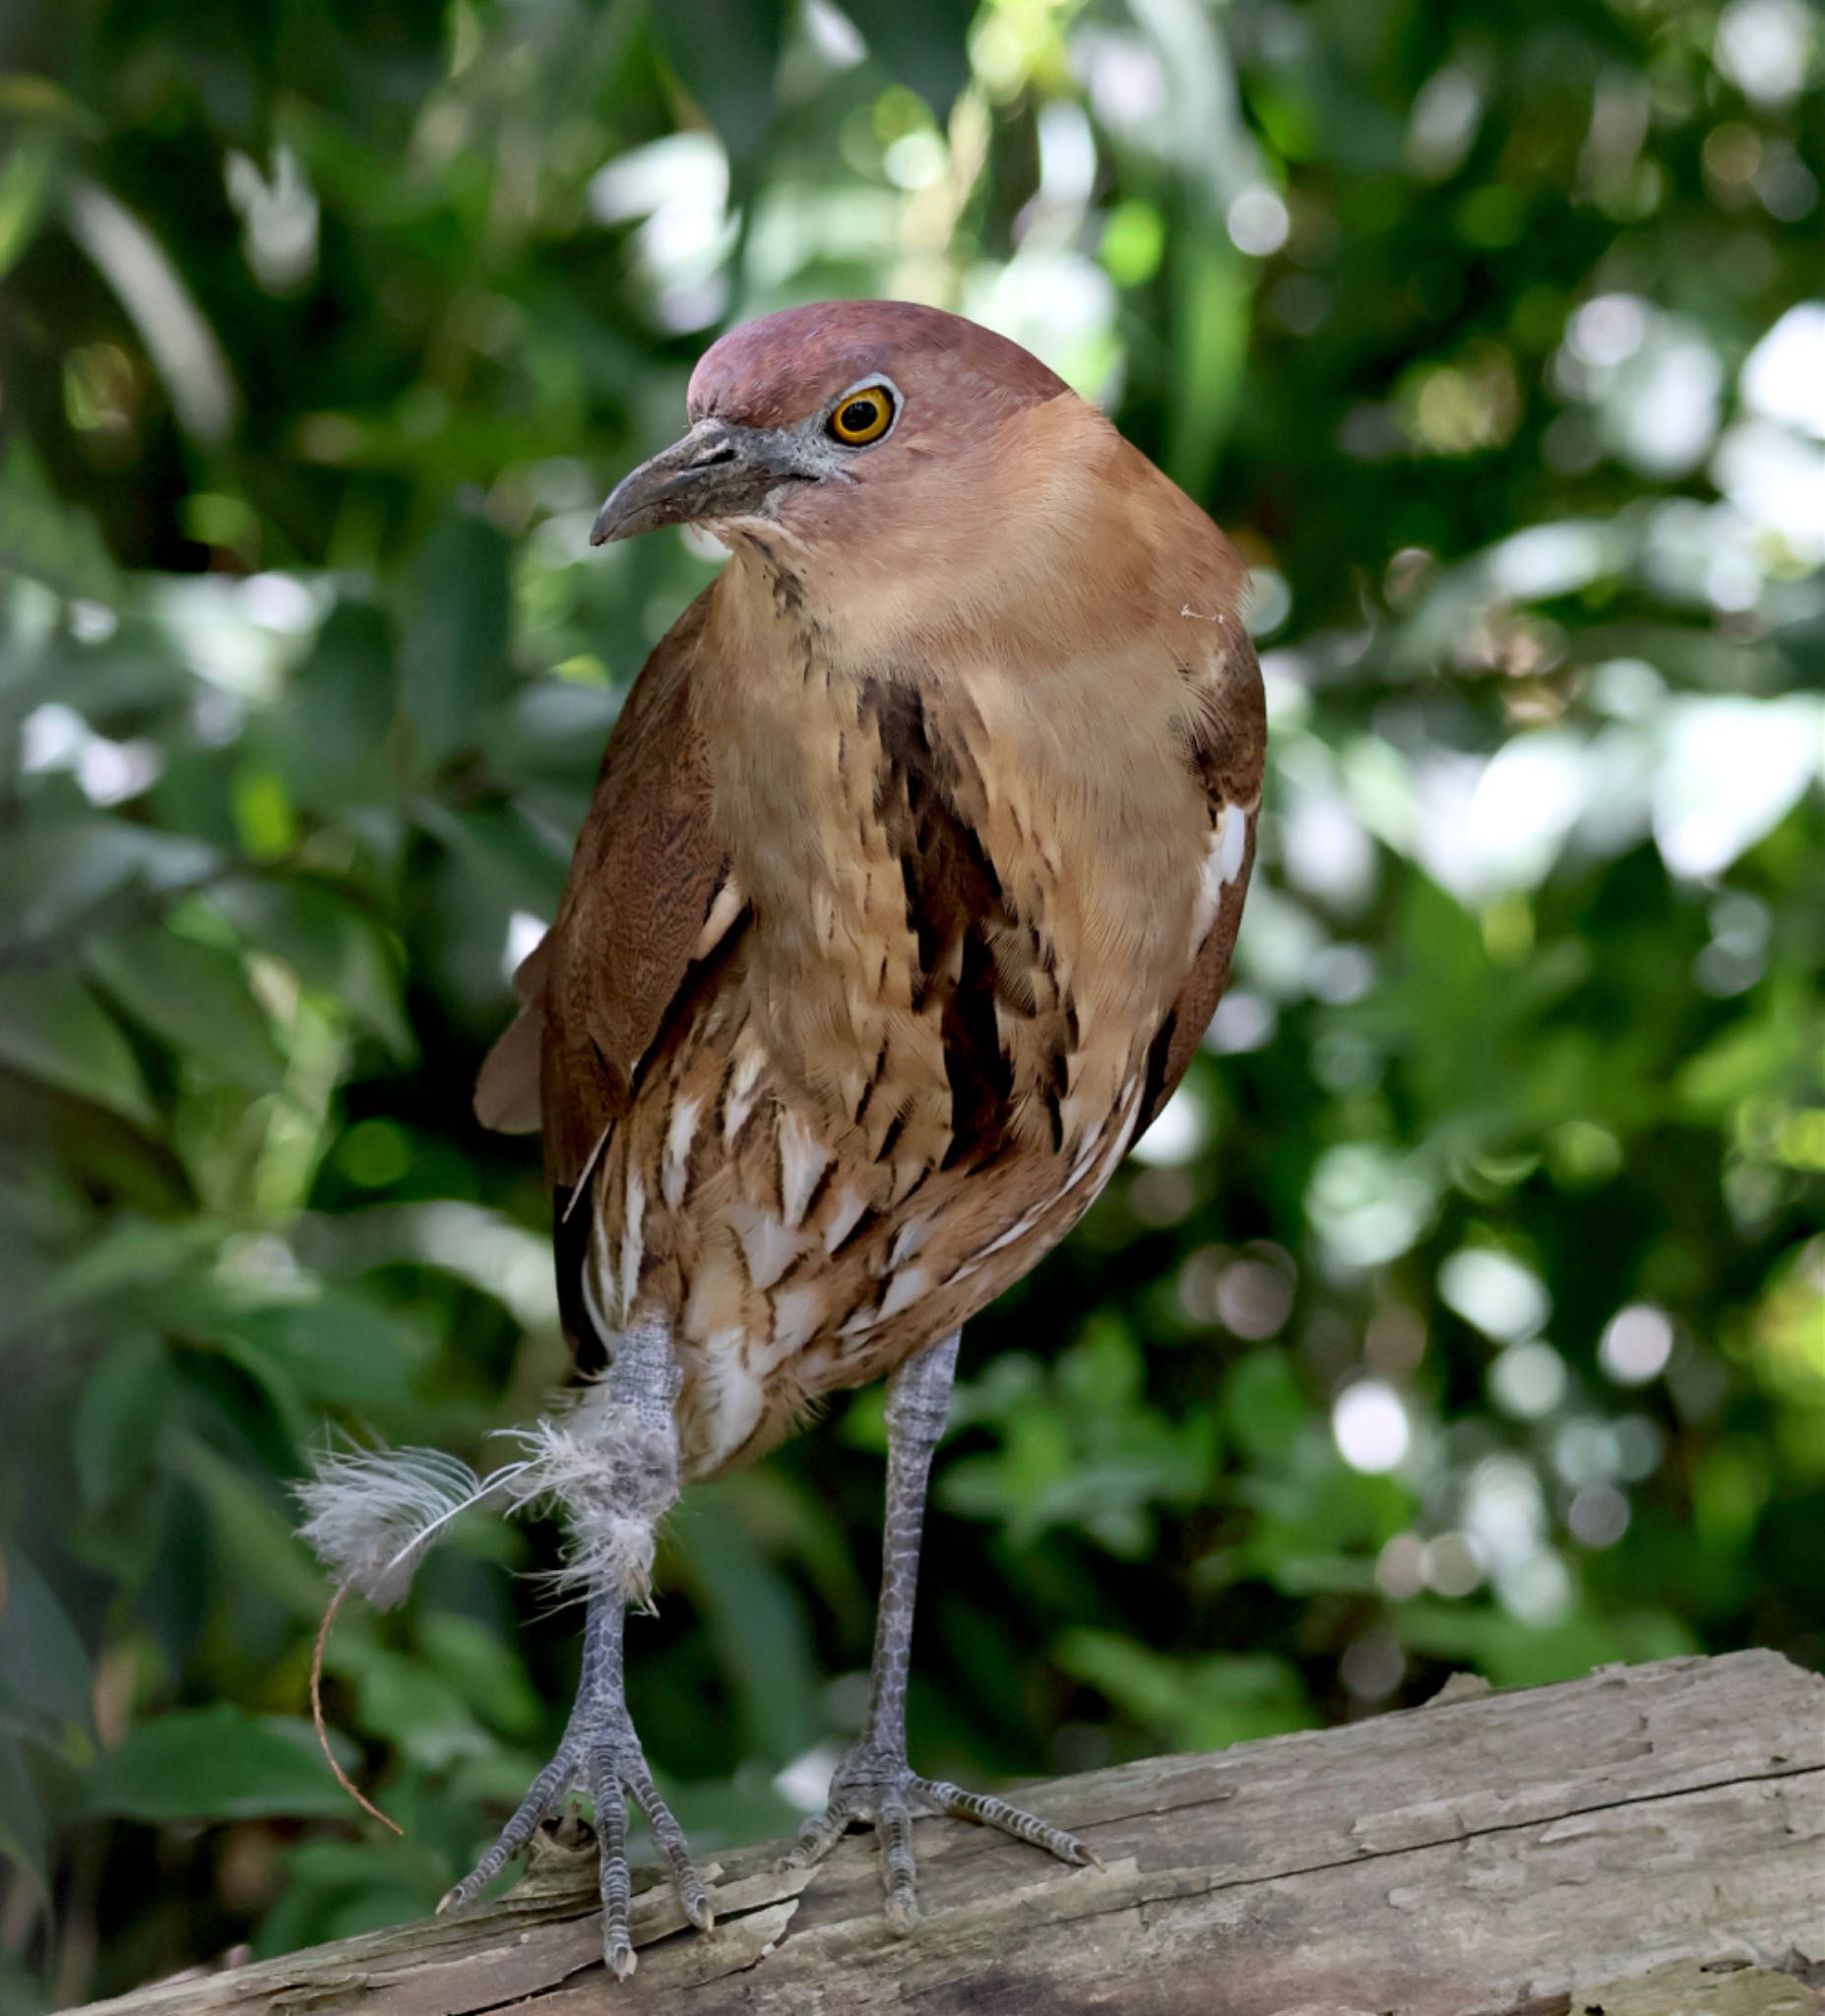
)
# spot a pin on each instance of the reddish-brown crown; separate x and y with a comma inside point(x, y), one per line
point(773, 371)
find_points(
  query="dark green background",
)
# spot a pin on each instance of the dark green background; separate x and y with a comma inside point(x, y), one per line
point(323, 329)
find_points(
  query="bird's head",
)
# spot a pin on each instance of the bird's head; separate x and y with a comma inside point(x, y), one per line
point(846, 421)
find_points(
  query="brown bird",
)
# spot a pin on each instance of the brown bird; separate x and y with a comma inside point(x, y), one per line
point(907, 890)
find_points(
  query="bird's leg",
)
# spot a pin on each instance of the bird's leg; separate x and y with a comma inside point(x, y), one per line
point(874, 1784)
point(614, 1481)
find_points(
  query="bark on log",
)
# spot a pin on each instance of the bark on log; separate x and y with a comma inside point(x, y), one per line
point(1646, 1841)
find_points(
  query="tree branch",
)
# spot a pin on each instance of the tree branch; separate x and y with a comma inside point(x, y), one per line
point(1645, 1840)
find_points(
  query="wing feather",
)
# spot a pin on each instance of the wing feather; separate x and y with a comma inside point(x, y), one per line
point(1227, 749)
point(642, 886)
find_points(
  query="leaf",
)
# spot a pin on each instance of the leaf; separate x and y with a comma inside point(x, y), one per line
point(63, 867)
point(215, 1763)
point(195, 996)
point(1266, 1410)
point(22, 1818)
point(725, 53)
point(258, 1548)
point(336, 1349)
point(124, 1405)
point(925, 48)
point(129, 1253)
point(26, 180)
point(330, 945)
point(52, 1028)
point(341, 710)
point(47, 539)
point(454, 664)
point(43, 1663)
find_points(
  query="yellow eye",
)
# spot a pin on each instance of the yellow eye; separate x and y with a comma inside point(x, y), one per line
point(863, 416)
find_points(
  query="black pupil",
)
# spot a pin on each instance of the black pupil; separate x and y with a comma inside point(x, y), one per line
point(860, 415)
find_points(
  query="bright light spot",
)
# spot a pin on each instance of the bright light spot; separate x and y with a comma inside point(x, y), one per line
point(1599, 1516)
point(1370, 1427)
point(1636, 1343)
point(1267, 602)
point(1732, 768)
point(680, 187)
point(1606, 330)
point(1450, 1565)
point(1178, 1134)
point(1776, 481)
point(837, 44)
point(1785, 374)
point(1539, 1591)
point(805, 1781)
point(916, 160)
point(524, 933)
point(1067, 157)
point(56, 737)
point(1664, 417)
point(1525, 803)
point(1258, 223)
point(1627, 689)
point(1243, 1022)
point(1504, 1511)
point(1528, 1380)
point(1400, 1567)
point(92, 622)
point(278, 602)
point(1366, 1204)
point(1547, 560)
point(1587, 1451)
point(1254, 1298)
point(1444, 122)
point(1326, 850)
point(1761, 47)
point(280, 216)
point(1493, 1290)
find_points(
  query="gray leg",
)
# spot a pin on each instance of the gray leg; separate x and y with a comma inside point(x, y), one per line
point(874, 1784)
point(600, 1751)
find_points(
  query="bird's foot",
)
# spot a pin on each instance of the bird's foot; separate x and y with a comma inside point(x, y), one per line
point(602, 1754)
point(875, 1787)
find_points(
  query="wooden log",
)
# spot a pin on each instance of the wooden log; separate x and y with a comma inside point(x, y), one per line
point(1646, 1841)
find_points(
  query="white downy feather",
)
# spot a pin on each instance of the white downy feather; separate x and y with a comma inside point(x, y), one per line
point(371, 1516)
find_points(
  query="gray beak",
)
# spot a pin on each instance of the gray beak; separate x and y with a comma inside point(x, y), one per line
point(717, 471)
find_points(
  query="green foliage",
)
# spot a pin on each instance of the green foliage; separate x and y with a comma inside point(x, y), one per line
point(1465, 1309)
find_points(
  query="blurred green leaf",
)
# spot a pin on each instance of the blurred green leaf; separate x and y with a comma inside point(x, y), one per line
point(197, 997)
point(43, 1665)
point(23, 1833)
point(454, 665)
point(125, 1404)
point(215, 1764)
point(52, 1028)
point(40, 536)
point(725, 53)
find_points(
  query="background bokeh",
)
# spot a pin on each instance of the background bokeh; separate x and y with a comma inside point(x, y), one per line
point(1464, 1310)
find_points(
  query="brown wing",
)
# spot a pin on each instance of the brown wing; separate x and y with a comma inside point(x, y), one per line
point(643, 883)
point(1227, 751)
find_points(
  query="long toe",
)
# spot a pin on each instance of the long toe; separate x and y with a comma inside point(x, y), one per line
point(669, 1838)
point(940, 1795)
point(875, 1788)
point(545, 1799)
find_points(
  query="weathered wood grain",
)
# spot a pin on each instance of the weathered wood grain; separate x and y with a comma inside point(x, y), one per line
point(1646, 1841)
